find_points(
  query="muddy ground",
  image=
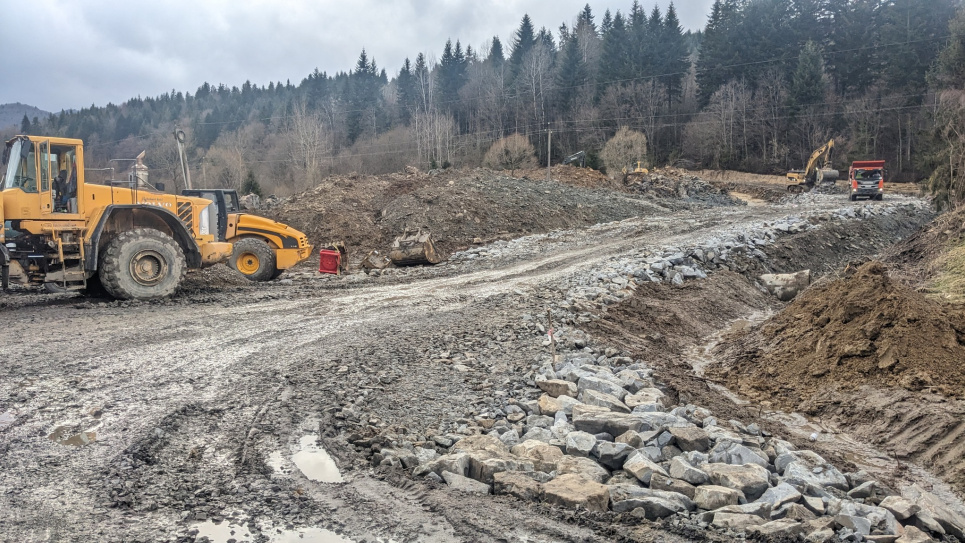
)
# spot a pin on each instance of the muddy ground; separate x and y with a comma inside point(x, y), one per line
point(176, 419)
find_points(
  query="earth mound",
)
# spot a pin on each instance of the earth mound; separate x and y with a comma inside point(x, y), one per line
point(862, 329)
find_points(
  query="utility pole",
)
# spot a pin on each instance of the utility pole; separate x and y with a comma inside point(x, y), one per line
point(549, 149)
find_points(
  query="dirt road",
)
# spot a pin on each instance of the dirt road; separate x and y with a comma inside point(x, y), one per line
point(147, 421)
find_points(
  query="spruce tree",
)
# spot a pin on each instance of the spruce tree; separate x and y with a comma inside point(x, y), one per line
point(675, 55)
point(807, 84)
point(525, 40)
point(25, 125)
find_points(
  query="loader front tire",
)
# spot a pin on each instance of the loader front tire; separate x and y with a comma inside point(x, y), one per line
point(254, 259)
point(142, 264)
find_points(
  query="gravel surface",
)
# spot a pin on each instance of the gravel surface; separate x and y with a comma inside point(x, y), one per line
point(141, 421)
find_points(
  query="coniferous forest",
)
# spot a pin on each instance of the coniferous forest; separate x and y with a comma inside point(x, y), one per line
point(763, 84)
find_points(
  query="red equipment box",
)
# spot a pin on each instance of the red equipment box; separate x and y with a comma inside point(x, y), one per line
point(329, 261)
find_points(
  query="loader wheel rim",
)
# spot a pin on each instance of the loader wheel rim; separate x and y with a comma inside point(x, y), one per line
point(148, 267)
point(248, 263)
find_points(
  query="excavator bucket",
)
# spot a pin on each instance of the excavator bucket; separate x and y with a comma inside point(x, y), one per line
point(414, 250)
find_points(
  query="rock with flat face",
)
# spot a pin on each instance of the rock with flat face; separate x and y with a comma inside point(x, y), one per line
point(656, 508)
point(558, 387)
point(484, 464)
point(579, 444)
point(457, 463)
point(589, 382)
point(573, 490)
point(712, 497)
point(642, 468)
point(543, 455)
point(612, 455)
point(736, 521)
point(625, 498)
point(914, 535)
point(517, 484)
point(646, 396)
point(752, 480)
point(608, 422)
point(728, 452)
point(680, 469)
point(810, 468)
point(602, 399)
point(483, 442)
point(464, 484)
point(582, 466)
point(779, 495)
point(900, 507)
point(779, 529)
point(691, 439)
point(669, 484)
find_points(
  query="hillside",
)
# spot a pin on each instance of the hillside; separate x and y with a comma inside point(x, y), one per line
point(12, 114)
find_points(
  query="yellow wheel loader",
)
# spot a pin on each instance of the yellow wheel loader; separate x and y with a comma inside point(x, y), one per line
point(127, 237)
point(262, 248)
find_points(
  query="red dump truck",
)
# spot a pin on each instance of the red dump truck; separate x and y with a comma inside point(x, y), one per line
point(867, 179)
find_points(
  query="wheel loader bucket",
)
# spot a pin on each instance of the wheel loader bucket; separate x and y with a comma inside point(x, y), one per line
point(414, 250)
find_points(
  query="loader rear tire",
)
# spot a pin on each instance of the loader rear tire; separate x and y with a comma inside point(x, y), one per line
point(254, 259)
point(142, 264)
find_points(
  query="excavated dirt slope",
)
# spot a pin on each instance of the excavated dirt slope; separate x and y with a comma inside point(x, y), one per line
point(861, 329)
point(872, 352)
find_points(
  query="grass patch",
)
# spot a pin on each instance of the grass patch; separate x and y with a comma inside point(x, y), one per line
point(950, 282)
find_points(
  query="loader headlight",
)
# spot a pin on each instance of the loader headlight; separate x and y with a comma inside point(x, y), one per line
point(204, 224)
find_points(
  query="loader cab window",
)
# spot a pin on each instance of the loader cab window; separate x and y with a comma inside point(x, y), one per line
point(21, 167)
point(231, 202)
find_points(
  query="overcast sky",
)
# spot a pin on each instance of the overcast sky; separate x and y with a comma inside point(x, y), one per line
point(64, 54)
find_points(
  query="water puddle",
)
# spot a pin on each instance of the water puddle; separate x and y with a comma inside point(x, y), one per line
point(221, 533)
point(6, 419)
point(61, 435)
point(315, 462)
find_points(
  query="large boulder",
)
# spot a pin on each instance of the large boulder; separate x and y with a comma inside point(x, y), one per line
point(642, 467)
point(681, 469)
point(602, 399)
point(779, 495)
point(573, 490)
point(900, 507)
point(484, 464)
point(950, 520)
point(691, 439)
point(608, 422)
point(862, 518)
point(599, 384)
point(543, 455)
point(752, 480)
point(612, 455)
point(669, 484)
point(728, 452)
point(482, 442)
point(517, 484)
point(582, 466)
point(625, 498)
point(779, 529)
point(736, 521)
point(464, 484)
point(809, 468)
point(712, 497)
point(457, 463)
point(646, 396)
point(580, 443)
point(558, 387)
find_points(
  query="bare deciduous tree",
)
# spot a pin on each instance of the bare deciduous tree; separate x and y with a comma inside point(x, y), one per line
point(306, 143)
point(511, 153)
point(623, 151)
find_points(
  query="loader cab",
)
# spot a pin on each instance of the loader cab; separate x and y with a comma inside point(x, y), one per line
point(225, 201)
point(48, 175)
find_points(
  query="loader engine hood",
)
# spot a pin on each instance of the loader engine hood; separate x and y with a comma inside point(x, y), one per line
point(282, 235)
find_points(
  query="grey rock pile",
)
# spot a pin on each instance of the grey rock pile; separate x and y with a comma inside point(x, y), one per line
point(602, 437)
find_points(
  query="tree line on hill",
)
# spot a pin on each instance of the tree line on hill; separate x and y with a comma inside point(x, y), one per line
point(761, 86)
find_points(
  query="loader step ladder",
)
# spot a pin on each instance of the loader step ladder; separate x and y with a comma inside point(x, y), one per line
point(71, 277)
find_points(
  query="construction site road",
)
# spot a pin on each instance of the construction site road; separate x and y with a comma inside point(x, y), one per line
point(175, 420)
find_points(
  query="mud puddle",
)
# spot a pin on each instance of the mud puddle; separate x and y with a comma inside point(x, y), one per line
point(223, 532)
point(313, 461)
point(62, 435)
point(6, 419)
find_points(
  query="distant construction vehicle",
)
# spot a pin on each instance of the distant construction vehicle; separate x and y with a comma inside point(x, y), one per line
point(813, 174)
point(127, 237)
point(867, 179)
